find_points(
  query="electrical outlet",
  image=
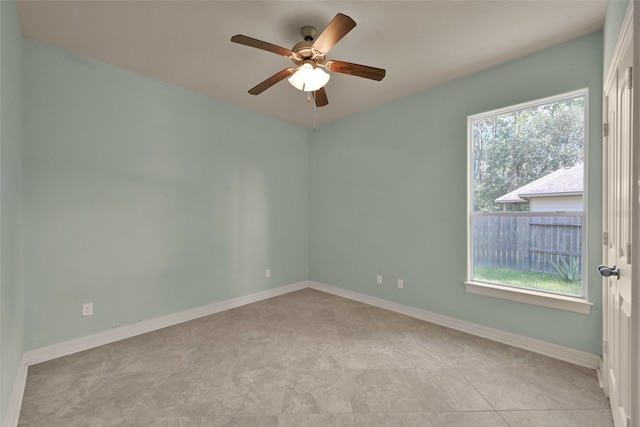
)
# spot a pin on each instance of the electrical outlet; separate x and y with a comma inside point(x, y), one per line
point(267, 273)
point(379, 279)
point(400, 284)
point(87, 309)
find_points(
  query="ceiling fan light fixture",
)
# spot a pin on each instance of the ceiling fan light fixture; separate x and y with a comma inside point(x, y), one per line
point(309, 78)
point(309, 57)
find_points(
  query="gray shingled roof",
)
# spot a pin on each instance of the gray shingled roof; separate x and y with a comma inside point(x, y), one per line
point(563, 182)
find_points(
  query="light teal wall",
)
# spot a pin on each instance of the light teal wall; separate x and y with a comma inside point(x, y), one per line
point(11, 141)
point(388, 195)
point(616, 9)
point(147, 199)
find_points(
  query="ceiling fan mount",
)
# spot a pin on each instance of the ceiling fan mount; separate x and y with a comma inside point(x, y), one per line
point(308, 33)
point(309, 56)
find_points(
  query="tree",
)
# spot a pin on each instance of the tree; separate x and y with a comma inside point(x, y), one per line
point(514, 148)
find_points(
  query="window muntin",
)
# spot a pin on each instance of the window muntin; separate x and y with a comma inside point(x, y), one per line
point(526, 228)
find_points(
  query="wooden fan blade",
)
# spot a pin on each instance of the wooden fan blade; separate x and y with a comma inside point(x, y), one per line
point(259, 44)
point(356, 70)
point(339, 26)
point(320, 97)
point(258, 89)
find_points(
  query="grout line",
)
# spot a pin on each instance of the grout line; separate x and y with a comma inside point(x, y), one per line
point(466, 378)
point(284, 390)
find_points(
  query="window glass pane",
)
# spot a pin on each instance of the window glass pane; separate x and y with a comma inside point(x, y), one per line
point(527, 195)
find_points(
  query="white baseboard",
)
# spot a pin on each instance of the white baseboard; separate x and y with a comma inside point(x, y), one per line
point(80, 344)
point(73, 346)
point(566, 354)
point(15, 403)
point(91, 341)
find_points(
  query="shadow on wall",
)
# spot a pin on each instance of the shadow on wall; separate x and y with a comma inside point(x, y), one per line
point(244, 226)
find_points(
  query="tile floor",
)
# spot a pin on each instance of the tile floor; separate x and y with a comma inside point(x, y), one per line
point(309, 359)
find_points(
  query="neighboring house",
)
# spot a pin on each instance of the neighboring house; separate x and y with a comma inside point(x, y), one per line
point(559, 191)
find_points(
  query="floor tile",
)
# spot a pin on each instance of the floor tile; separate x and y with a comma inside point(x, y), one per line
point(149, 422)
point(187, 392)
point(467, 419)
point(445, 390)
point(381, 390)
point(354, 314)
point(263, 354)
point(316, 392)
point(315, 355)
point(96, 361)
point(571, 418)
point(315, 420)
point(211, 355)
point(476, 352)
point(314, 332)
point(366, 331)
point(250, 392)
point(369, 355)
point(118, 396)
point(417, 353)
point(140, 362)
point(241, 421)
point(397, 419)
point(46, 395)
point(569, 390)
point(310, 359)
point(507, 389)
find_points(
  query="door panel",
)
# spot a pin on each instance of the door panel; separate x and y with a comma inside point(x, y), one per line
point(618, 222)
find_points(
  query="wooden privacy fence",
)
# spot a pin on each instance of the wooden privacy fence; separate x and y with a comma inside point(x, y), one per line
point(526, 242)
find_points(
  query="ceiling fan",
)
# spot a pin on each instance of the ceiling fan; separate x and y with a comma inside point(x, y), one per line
point(309, 56)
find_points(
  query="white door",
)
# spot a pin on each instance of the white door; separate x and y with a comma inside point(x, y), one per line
point(618, 202)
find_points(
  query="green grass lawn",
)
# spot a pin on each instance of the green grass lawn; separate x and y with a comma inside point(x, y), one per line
point(528, 279)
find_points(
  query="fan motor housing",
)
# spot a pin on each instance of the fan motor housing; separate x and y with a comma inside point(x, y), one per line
point(304, 52)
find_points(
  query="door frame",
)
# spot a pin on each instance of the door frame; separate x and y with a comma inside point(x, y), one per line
point(635, 282)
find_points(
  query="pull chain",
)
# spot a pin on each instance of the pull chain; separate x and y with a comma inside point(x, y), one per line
point(315, 110)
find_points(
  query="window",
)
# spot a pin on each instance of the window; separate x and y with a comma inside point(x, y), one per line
point(526, 198)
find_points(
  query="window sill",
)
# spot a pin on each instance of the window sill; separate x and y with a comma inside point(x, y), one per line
point(560, 302)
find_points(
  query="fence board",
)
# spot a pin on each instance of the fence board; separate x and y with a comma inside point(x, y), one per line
point(526, 243)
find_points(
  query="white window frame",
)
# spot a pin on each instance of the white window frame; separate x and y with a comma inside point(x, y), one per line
point(513, 293)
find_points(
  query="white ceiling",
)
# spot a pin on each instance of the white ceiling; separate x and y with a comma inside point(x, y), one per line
point(420, 43)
